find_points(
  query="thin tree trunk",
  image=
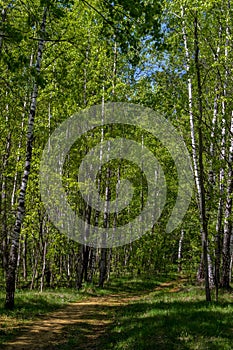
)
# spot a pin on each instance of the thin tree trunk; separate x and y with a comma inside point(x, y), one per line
point(231, 265)
point(226, 252)
point(44, 266)
point(114, 73)
point(180, 251)
point(201, 189)
point(18, 262)
point(34, 271)
point(109, 258)
point(92, 262)
point(219, 223)
point(211, 180)
point(103, 254)
point(227, 231)
point(15, 183)
point(197, 149)
point(79, 269)
point(86, 254)
point(103, 267)
point(85, 75)
point(211, 272)
point(25, 258)
point(12, 263)
point(3, 204)
point(103, 250)
point(3, 13)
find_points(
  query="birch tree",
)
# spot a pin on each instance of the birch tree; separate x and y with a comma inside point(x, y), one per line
point(12, 261)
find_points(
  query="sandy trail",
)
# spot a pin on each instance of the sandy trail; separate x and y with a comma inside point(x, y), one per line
point(80, 325)
point(88, 319)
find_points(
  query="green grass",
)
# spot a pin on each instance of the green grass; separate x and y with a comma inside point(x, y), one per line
point(172, 318)
point(30, 305)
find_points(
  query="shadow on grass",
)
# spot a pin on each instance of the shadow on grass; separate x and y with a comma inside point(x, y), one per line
point(30, 305)
point(156, 324)
point(153, 325)
point(136, 285)
point(163, 320)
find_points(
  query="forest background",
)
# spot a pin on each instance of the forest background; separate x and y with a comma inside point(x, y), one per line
point(59, 57)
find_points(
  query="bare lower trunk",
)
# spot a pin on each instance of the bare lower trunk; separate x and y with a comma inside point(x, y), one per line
point(34, 271)
point(25, 258)
point(200, 271)
point(103, 267)
point(180, 251)
point(231, 265)
point(92, 261)
point(86, 254)
point(109, 258)
point(43, 267)
point(211, 272)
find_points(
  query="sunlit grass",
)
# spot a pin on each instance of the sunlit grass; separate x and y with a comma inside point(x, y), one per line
point(30, 305)
point(173, 316)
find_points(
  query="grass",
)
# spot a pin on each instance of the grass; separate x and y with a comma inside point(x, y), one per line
point(31, 305)
point(172, 317)
point(169, 316)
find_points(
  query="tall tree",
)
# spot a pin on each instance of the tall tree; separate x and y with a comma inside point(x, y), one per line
point(13, 254)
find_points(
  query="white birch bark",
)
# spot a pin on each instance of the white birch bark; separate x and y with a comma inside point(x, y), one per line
point(12, 262)
point(180, 250)
point(197, 147)
point(226, 252)
point(103, 252)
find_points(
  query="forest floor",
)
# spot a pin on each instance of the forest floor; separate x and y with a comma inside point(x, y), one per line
point(136, 315)
point(88, 318)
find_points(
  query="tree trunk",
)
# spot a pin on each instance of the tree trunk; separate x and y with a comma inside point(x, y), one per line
point(103, 253)
point(12, 263)
point(25, 258)
point(201, 189)
point(226, 251)
point(3, 204)
point(109, 258)
point(34, 270)
point(197, 148)
point(86, 252)
point(43, 266)
point(103, 267)
point(211, 272)
point(180, 251)
point(79, 269)
point(3, 15)
point(92, 261)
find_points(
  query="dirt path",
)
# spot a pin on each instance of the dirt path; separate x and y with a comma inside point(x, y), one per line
point(86, 321)
point(79, 325)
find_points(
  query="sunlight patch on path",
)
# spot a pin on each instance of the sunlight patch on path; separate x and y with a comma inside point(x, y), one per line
point(89, 318)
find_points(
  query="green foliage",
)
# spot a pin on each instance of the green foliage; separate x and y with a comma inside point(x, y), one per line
point(117, 51)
